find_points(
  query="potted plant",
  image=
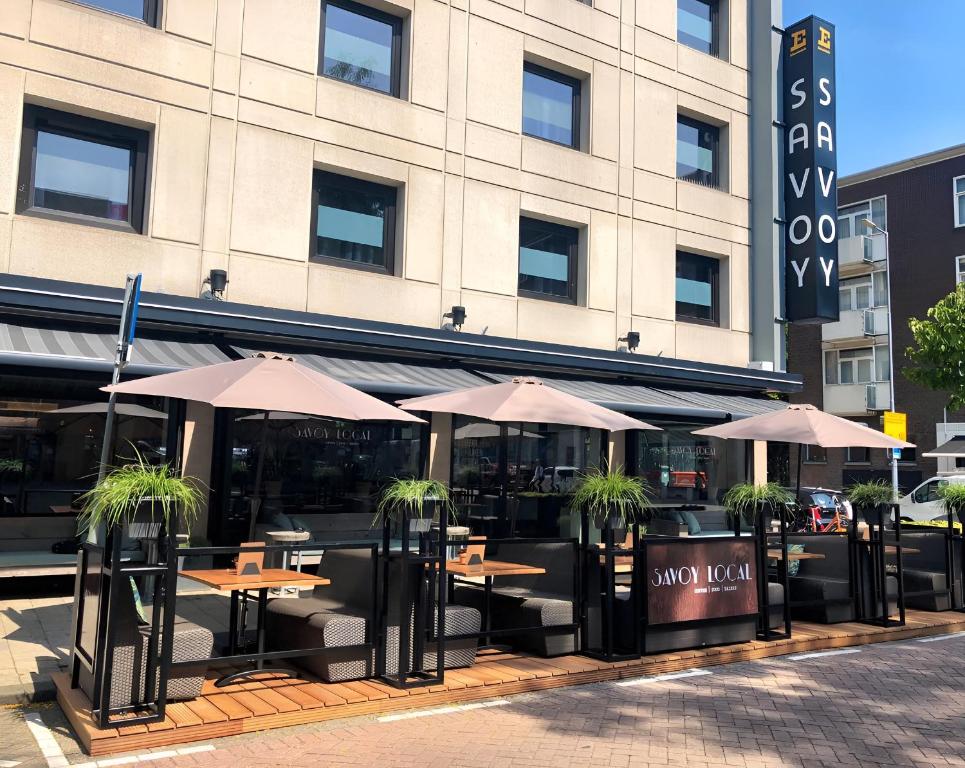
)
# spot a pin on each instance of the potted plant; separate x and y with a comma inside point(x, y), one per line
point(745, 500)
point(953, 500)
point(415, 500)
point(610, 495)
point(869, 499)
point(141, 494)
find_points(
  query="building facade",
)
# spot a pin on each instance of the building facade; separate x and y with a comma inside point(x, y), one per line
point(920, 204)
point(575, 175)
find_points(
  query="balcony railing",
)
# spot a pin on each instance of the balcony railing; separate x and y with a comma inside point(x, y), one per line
point(857, 324)
point(857, 399)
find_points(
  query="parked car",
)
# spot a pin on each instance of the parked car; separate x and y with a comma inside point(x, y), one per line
point(924, 503)
point(826, 500)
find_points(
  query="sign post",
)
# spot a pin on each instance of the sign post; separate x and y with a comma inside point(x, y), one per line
point(122, 355)
point(896, 426)
point(810, 174)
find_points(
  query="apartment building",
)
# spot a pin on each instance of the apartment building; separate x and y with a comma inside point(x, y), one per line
point(902, 224)
point(412, 194)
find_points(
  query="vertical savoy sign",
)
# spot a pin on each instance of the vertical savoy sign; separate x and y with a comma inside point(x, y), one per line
point(810, 173)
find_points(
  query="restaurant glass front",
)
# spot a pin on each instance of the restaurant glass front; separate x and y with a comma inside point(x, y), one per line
point(317, 467)
point(517, 480)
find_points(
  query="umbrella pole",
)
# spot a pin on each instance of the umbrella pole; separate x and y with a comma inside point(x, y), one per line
point(259, 471)
point(800, 450)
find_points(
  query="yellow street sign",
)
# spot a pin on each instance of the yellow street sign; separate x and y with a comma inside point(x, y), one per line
point(896, 425)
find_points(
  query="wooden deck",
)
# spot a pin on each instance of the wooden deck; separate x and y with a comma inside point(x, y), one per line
point(271, 702)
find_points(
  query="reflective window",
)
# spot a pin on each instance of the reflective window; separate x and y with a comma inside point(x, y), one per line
point(960, 201)
point(518, 479)
point(361, 46)
point(855, 293)
point(145, 10)
point(354, 221)
point(551, 106)
point(960, 270)
point(547, 259)
point(697, 25)
point(86, 169)
point(698, 289)
point(815, 454)
point(858, 455)
point(697, 152)
point(851, 218)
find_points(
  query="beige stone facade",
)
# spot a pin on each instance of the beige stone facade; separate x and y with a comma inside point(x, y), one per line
point(239, 119)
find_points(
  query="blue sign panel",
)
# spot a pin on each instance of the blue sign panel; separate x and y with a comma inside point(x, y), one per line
point(810, 173)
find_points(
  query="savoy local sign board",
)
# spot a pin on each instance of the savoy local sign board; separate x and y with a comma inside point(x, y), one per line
point(696, 580)
point(810, 174)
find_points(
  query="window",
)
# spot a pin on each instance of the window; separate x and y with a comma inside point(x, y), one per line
point(353, 222)
point(855, 293)
point(361, 45)
point(815, 454)
point(145, 10)
point(960, 201)
point(882, 363)
point(697, 25)
point(858, 455)
point(82, 169)
point(551, 106)
point(960, 270)
point(880, 292)
point(698, 152)
point(851, 366)
point(698, 288)
point(909, 455)
point(930, 491)
point(547, 259)
point(851, 218)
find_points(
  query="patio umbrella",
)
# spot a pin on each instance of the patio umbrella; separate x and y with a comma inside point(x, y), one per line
point(480, 430)
point(121, 409)
point(266, 383)
point(804, 425)
point(525, 399)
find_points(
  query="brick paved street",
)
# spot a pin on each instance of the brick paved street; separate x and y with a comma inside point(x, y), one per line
point(891, 704)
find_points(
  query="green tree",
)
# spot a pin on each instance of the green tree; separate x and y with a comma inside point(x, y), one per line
point(938, 357)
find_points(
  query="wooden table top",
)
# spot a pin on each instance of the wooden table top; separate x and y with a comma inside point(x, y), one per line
point(226, 580)
point(891, 549)
point(492, 568)
point(776, 554)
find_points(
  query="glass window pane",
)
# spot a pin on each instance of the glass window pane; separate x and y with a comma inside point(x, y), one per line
point(358, 48)
point(82, 176)
point(862, 295)
point(882, 366)
point(548, 107)
point(881, 288)
point(844, 227)
point(830, 368)
point(696, 151)
point(878, 212)
point(847, 372)
point(695, 25)
point(352, 220)
point(960, 185)
point(682, 467)
point(545, 254)
point(696, 287)
point(132, 8)
point(961, 210)
point(844, 300)
point(864, 371)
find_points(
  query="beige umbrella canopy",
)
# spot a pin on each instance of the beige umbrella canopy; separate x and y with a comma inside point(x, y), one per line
point(522, 400)
point(806, 425)
point(266, 383)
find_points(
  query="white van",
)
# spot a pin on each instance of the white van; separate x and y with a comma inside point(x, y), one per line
point(924, 503)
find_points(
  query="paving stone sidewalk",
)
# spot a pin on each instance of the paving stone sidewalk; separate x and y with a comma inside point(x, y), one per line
point(886, 705)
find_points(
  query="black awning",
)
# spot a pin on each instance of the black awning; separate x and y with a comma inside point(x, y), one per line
point(953, 449)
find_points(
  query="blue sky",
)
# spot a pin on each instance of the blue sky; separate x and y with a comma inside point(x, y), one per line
point(901, 91)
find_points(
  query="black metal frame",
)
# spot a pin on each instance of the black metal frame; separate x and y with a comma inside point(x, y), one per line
point(388, 193)
point(416, 612)
point(764, 538)
point(36, 119)
point(150, 14)
point(876, 550)
point(395, 79)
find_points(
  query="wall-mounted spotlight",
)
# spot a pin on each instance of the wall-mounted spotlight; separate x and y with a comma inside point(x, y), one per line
point(217, 281)
point(632, 339)
point(457, 316)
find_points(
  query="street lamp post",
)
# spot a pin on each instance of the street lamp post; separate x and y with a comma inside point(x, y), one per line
point(891, 346)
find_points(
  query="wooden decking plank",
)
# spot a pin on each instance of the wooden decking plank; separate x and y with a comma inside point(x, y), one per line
point(258, 707)
point(343, 691)
point(389, 690)
point(277, 699)
point(207, 711)
point(469, 682)
point(227, 704)
point(370, 692)
point(321, 692)
point(302, 698)
point(182, 716)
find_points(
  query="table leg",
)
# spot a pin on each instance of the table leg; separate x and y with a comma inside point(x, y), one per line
point(243, 638)
point(233, 625)
point(260, 633)
point(487, 600)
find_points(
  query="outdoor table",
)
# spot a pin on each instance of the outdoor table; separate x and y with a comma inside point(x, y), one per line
point(227, 580)
point(488, 570)
point(893, 548)
point(776, 554)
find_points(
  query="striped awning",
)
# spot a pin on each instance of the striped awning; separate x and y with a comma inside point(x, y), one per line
point(390, 377)
point(736, 406)
point(81, 350)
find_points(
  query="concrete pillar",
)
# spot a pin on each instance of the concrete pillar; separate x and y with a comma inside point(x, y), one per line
point(760, 462)
point(198, 442)
point(440, 447)
point(616, 454)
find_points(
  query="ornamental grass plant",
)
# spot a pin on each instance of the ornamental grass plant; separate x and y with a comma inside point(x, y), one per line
point(607, 492)
point(744, 499)
point(870, 495)
point(953, 499)
point(411, 496)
